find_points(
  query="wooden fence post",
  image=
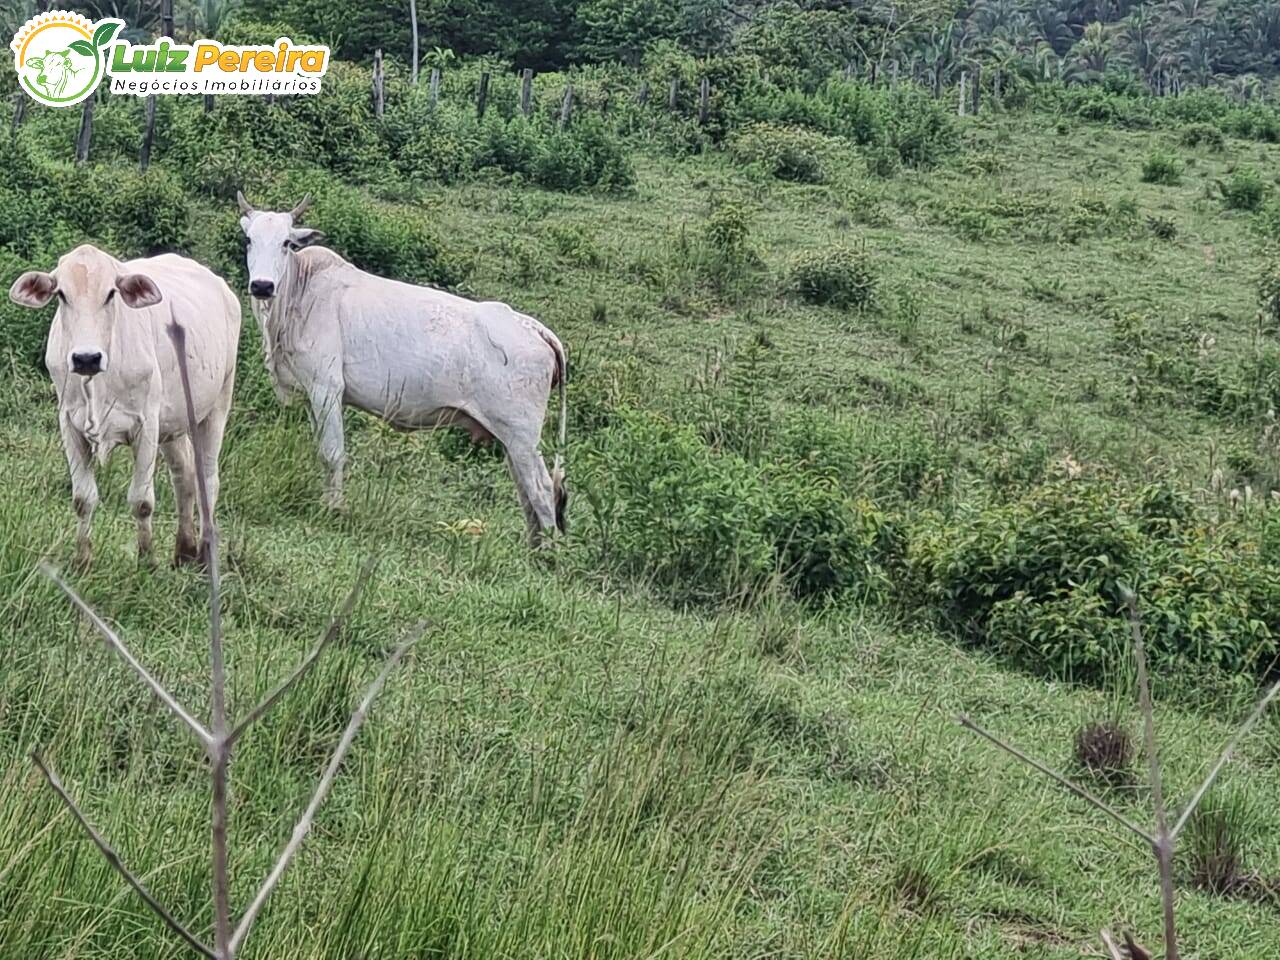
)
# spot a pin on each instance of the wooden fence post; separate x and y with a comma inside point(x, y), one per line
point(964, 91)
point(526, 92)
point(482, 95)
point(19, 113)
point(997, 88)
point(379, 87)
point(873, 72)
point(413, 18)
point(643, 96)
point(566, 108)
point(977, 89)
point(673, 96)
point(704, 101)
point(148, 136)
point(84, 139)
point(850, 70)
point(434, 88)
point(893, 74)
point(166, 18)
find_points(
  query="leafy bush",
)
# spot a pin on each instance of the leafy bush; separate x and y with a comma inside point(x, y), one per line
point(836, 276)
point(1244, 190)
point(1162, 228)
point(1202, 134)
point(788, 153)
point(1041, 579)
point(1162, 168)
point(920, 128)
point(706, 526)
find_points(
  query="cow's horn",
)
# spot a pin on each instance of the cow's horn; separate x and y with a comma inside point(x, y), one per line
point(245, 206)
point(301, 208)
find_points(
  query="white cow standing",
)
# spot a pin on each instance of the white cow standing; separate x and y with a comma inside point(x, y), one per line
point(116, 375)
point(417, 357)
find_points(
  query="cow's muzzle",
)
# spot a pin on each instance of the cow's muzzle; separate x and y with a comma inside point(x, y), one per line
point(262, 289)
point(86, 363)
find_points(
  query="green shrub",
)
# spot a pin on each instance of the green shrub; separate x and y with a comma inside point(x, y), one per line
point(825, 545)
point(1042, 579)
point(705, 526)
point(921, 129)
point(1244, 190)
point(788, 153)
point(672, 512)
point(836, 276)
point(1202, 134)
point(1162, 168)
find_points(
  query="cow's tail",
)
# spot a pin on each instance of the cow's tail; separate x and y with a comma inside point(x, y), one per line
point(558, 488)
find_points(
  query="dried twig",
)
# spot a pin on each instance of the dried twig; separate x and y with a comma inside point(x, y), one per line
point(1078, 790)
point(219, 751)
point(118, 646)
point(113, 858)
point(1110, 944)
point(1226, 755)
point(216, 739)
point(335, 626)
point(1164, 839)
point(303, 826)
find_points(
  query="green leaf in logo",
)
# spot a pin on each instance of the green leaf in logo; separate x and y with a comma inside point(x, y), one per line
point(102, 36)
point(83, 47)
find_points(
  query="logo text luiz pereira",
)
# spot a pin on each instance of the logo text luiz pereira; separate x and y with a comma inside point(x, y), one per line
point(61, 59)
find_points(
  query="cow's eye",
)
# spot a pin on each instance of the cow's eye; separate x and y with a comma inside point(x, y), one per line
point(290, 245)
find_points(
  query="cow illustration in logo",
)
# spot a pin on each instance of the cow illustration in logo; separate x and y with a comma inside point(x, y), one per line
point(59, 56)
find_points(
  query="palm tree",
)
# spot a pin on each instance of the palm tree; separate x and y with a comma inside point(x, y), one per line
point(210, 16)
point(1093, 52)
point(1051, 22)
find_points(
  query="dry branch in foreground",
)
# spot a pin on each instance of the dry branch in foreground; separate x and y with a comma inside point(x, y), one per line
point(218, 738)
point(1163, 841)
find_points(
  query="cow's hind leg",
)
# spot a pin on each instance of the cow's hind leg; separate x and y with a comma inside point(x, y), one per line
point(209, 434)
point(533, 485)
point(84, 490)
point(182, 467)
point(142, 489)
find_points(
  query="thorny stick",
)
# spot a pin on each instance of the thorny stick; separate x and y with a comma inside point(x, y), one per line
point(113, 858)
point(335, 625)
point(1163, 845)
point(1079, 791)
point(118, 646)
point(1226, 755)
point(303, 826)
point(219, 752)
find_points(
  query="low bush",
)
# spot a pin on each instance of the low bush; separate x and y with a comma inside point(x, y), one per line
point(1162, 168)
point(840, 276)
point(788, 153)
point(1041, 580)
point(1202, 135)
point(706, 527)
point(1244, 190)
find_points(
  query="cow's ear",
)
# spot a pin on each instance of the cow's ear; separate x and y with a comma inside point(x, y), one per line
point(304, 237)
point(37, 62)
point(33, 289)
point(138, 291)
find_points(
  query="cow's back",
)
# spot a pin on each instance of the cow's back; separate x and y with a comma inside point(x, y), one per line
point(209, 312)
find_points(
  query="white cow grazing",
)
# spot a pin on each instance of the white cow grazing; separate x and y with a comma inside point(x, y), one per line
point(417, 357)
point(116, 375)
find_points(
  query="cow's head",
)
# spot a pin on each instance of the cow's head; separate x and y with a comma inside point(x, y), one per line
point(273, 239)
point(91, 289)
point(55, 70)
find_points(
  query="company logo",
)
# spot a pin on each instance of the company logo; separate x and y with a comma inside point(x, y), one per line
point(61, 59)
point(60, 56)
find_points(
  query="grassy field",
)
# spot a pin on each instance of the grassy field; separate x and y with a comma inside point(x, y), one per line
point(570, 765)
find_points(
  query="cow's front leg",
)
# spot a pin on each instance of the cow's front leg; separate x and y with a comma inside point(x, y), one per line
point(142, 489)
point(326, 414)
point(84, 488)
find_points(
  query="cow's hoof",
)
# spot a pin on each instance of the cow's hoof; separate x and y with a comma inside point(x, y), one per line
point(184, 553)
